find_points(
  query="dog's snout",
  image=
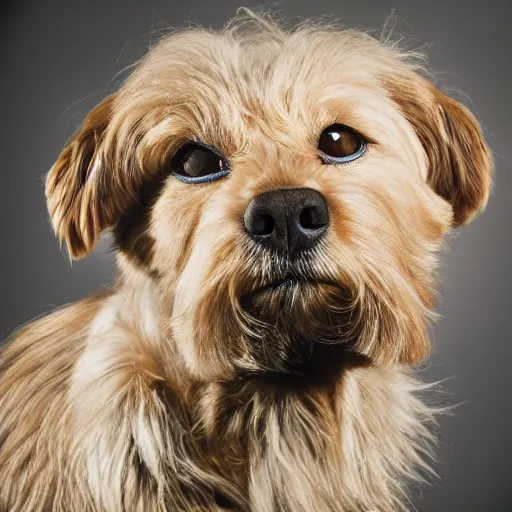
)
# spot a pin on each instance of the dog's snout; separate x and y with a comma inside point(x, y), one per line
point(287, 220)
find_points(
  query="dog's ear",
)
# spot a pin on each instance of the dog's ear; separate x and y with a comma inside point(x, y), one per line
point(79, 186)
point(460, 162)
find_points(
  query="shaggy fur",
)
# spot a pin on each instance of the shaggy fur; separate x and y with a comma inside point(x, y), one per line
point(175, 391)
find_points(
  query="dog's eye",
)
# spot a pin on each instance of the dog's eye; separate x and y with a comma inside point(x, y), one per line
point(195, 163)
point(340, 144)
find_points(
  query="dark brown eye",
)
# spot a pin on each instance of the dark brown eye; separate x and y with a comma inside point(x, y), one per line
point(340, 144)
point(195, 163)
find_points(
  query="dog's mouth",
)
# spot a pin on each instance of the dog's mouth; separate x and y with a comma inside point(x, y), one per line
point(287, 294)
point(289, 282)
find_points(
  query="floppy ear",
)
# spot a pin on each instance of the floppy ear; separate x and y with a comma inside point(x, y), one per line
point(78, 188)
point(460, 162)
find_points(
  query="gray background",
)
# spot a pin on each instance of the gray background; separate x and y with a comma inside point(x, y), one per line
point(58, 58)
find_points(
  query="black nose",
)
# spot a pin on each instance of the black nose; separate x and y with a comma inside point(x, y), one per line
point(288, 220)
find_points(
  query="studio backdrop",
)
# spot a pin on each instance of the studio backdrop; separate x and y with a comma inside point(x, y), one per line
point(59, 58)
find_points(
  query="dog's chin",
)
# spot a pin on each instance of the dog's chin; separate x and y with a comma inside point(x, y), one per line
point(296, 319)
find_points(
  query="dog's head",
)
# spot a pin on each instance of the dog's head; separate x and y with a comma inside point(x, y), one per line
point(284, 190)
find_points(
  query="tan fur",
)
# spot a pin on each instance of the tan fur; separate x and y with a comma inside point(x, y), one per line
point(166, 393)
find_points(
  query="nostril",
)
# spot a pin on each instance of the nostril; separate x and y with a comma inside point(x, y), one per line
point(263, 225)
point(313, 218)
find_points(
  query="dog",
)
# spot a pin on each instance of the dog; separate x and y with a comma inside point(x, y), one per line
point(278, 198)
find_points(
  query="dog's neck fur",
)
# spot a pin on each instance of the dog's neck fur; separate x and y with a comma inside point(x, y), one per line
point(352, 444)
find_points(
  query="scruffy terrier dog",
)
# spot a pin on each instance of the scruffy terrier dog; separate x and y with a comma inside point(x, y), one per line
point(277, 198)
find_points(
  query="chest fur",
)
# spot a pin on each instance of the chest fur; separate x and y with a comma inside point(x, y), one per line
point(352, 445)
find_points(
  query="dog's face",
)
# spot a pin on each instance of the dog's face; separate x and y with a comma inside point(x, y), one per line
point(284, 191)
